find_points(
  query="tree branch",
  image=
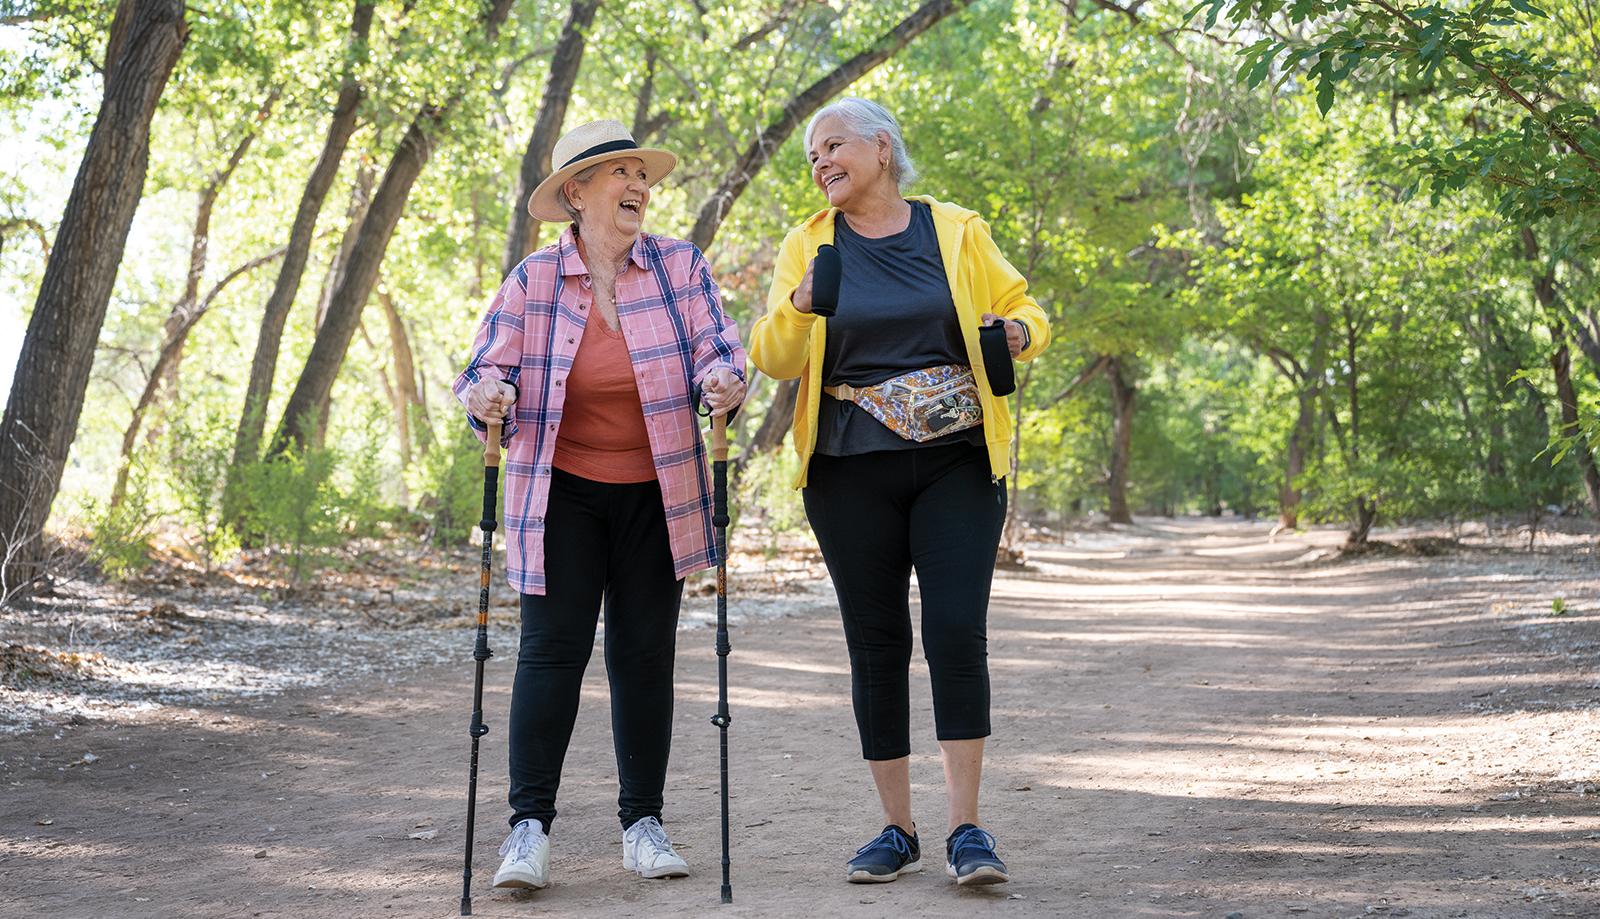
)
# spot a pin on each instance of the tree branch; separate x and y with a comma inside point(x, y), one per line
point(1082, 378)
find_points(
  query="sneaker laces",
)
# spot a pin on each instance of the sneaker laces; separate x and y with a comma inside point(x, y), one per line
point(892, 838)
point(972, 838)
point(522, 841)
point(650, 829)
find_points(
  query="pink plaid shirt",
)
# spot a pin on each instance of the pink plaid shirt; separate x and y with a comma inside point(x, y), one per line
point(676, 332)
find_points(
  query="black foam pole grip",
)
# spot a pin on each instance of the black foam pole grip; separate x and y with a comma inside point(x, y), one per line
point(997, 359)
point(825, 275)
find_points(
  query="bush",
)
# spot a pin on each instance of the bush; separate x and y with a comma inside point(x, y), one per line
point(766, 488)
point(122, 529)
point(453, 487)
point(198, 475)
point(294, 507)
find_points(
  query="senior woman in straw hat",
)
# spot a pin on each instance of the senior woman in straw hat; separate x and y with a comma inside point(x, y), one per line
point(593, 354)
point(893, 484)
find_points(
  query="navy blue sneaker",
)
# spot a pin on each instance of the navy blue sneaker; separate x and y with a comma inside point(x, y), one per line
point(892, 854)
point(972, 860)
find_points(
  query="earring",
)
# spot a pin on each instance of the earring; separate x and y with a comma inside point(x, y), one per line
point(580, 207)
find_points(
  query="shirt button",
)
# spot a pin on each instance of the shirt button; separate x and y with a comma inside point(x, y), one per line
point(552, 427)
point(571, 340)
point(583, 306)
point(558, 382)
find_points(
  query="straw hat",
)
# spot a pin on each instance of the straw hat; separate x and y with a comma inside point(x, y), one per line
point(582, 147)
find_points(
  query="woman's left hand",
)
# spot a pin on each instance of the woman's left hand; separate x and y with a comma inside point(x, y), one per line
point(721, 391)
point(1016, 332)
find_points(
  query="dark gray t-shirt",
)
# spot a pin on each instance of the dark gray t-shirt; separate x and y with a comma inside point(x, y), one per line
point(895, 315)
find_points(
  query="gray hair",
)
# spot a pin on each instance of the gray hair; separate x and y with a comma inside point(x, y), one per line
point(869, 119)
point(582, 178)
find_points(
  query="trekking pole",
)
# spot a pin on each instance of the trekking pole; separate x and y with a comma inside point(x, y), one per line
point(719, 471)
point(480, 651)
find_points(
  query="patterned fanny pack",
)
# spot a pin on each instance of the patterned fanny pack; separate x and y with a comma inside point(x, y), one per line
point(920, 405)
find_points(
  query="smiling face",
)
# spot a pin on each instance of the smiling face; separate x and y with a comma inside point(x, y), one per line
point(847, 167)
point(615, 198)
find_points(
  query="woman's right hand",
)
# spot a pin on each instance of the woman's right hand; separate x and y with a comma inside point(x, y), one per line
point(801, 298)
point(491, 400)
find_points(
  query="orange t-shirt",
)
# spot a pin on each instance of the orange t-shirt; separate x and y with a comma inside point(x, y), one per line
point(602, 435)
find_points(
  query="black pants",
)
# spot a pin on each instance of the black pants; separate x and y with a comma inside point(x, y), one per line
point(601, 540)
point(879, 515)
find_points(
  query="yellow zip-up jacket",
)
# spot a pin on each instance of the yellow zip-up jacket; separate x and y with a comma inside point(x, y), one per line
point(784, 341)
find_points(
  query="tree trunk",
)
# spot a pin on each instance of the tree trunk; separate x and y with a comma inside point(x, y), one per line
point(799, 108)
point(355, 213)
point(522, 236)
point(1122, 397)
point(315, 384)
point(405, 378)
point(1366, 509)
point(52, 372)
point(1308, 392)
point(264, 366)
point(1366, 515)
point(1544, 288)
point(1567, 395)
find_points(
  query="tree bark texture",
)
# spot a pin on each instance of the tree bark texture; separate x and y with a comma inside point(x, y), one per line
point(1544, 288)
point(405, 395)
point(523, 233)
point(264, 365)
point(52, 373)
point(313, 389)
point(1567, 395)
point(801, 107)
point(1122, 399)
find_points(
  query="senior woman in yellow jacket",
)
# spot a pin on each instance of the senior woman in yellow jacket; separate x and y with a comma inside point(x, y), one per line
point(903, 449)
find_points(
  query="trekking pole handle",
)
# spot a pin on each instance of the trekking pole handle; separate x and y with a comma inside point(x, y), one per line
point(491, 446)
point(719, 438)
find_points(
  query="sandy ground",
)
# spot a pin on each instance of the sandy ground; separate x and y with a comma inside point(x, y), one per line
point(1191, 719)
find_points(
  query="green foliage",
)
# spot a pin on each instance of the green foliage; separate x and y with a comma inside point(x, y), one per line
point(121, 531)
point(363, 503)
point(200, 448)
point(766, 489)
point(452, 480)
point(295, 507)
point(1259, 260)
point(1558, 607)
point(1534, 140)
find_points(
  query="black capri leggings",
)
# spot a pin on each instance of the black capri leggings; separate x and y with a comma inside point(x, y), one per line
point(879, 515)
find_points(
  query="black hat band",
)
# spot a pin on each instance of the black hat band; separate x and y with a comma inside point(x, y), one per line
point(597, 149)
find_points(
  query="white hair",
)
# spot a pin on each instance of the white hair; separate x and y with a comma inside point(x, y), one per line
point(869, 119)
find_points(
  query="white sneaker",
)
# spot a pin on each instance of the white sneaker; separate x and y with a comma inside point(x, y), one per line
point(647, 851)
point(527, 852)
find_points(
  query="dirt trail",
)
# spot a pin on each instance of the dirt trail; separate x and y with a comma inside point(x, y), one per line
point(1191, 719)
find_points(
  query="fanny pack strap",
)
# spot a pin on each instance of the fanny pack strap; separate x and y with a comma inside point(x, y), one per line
point(844, 392)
